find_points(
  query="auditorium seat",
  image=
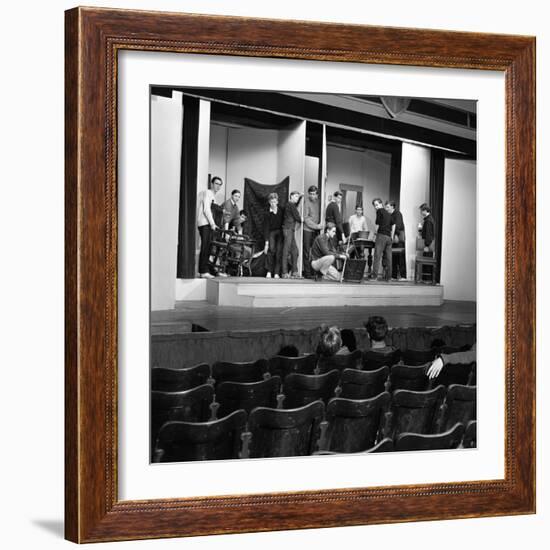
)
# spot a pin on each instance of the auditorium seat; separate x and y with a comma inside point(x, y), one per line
point(280, 365)
point(340, 362)
point(215, 440)
point(301, 389)
point(190, 405)
point(408, 377)
point(164, 379)
point(430, 442)
point(252, 371)
point(281, 432)
point(384, 446)
point(415, 411)
point(232, 396)
point(455, 373)
point(359, 384)
point(354, 425)
point(418, 356)
point(459, 406)
point(373, 360)
point(469, 440)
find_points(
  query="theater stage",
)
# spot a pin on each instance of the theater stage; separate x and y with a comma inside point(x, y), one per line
point(256, 292)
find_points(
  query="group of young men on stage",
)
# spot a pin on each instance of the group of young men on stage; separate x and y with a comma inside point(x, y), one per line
point(322, 244)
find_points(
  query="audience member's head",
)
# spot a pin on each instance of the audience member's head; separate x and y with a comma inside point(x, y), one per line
point(348, 339)
point(437, 343)
point(289, 351)
point(377, 329)
point(330, 341)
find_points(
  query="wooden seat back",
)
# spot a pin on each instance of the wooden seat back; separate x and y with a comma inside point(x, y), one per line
point(359, 384)
point(248, 371)
point(215, 440)
point(373, 360)
point(457, 373)
point(408, 377)
point(301, 389)
point(280, 365)
point(415, 411)
point(190, 405)
point(384, 446)
point(354, 424)
point(165, 379)
point(460, 405)
point(232, 396)
point(418, 356)
point(282, 432)
point(339, 362)
point(469, 441)
point(422, 442)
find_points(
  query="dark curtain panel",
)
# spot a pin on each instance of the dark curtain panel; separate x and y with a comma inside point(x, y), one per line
point(437, 174)
point(188, 189)
point(256, 205)
point(395, 173)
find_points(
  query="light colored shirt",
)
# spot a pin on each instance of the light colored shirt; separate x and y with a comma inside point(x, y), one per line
point(357, 223)
point(204, 208)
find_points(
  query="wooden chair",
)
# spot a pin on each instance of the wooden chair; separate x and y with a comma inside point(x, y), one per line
point(421, 261)
point(339, 362)
point(280, 365)
point(282, 432)
point(408, 377)
point(415, 411)
point(455, 373)
point(360, 384)
point(301, 389)
point(191, 405)
point(418, 356)
point(384, 446)
point(459, 406)
point(421, 442)
point(469, 441)
point(172, 380)
point(354, 425)
point(232, 396)
point(215, 440)
point(373, 360)
point(252, 371)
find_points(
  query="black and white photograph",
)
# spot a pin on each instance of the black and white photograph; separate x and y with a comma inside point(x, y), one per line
point(313, 274)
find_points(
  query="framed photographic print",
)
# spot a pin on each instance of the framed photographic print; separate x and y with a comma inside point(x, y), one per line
point(300, 275)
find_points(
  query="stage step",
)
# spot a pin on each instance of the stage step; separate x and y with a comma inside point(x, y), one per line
point(256, 292)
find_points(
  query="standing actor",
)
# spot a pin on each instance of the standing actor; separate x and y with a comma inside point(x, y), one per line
point(205, 221)
point(231, 211)
point(358, 222)
point(399, 268)
point(383, 242)
point(427, 229)
point(291, 217)
point(333, 214)
point(312, 226)
point(273, 236)
point(323, 254)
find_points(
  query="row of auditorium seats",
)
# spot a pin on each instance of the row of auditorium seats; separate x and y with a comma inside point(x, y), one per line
point(410, 376)
point(185, 427)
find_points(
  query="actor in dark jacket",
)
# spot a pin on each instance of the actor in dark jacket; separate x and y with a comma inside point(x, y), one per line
point(383, 242)
point(428, 228)
point(291, 217)
point(334, 215)
point(399, 268)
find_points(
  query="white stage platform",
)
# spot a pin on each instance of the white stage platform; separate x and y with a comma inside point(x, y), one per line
point(260, 292)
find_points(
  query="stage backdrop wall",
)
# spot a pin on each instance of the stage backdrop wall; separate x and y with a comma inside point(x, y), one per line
point(458, 267)
point(367, 169)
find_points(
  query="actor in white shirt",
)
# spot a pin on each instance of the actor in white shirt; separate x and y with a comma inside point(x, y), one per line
point(206, 223)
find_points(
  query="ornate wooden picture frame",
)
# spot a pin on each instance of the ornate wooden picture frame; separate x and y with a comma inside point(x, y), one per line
point(93, 39)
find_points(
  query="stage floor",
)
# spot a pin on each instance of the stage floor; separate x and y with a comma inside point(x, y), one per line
point(221, 318)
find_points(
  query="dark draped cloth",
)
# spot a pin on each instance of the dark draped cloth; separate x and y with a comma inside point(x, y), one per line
point(256, 205)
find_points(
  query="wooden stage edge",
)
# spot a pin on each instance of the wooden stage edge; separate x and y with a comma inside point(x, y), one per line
point(255, 292)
